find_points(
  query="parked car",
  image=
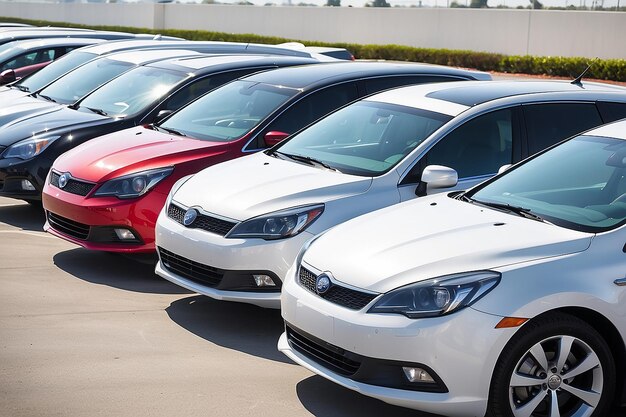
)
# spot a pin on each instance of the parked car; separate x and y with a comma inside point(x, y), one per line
point(255, 213)
point(508, 297)
point(138, 96)
point(38, 33)
point(14, 25)
point(77, 58)
point(35, 54)
point(241, 117)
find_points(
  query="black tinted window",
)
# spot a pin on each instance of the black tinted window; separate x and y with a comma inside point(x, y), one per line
point(612, 111)
point(479, 147)
point(547, 124)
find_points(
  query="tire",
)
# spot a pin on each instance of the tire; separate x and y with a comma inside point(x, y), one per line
point(513, 394)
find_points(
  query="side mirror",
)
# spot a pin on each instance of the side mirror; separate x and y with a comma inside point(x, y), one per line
point(7, 76)
point(274, 137)
point(504, 168)
point(162, 115)
point(437, 176)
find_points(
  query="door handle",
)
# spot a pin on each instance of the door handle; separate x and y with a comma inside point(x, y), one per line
point(620, 282)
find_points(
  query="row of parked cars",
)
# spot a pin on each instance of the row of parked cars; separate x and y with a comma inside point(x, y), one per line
point(358, 197)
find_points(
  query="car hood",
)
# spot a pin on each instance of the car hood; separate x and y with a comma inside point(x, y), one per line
point(132, 150)
point(45, 122)
point(18, 107)
point(432, 237)
point(260, 184)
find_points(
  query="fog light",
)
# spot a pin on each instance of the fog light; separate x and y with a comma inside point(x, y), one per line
point(125, 234)
point(417, 375)
point(263, 281)
point(27, 185)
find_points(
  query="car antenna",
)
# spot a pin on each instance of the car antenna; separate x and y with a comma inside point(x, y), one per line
point(577, 80)
point(157, 37)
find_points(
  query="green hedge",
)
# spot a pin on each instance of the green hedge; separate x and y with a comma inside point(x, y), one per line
point(602, 69)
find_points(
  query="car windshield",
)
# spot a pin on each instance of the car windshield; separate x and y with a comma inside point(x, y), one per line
point(54, 70)
point(8, 49)
point(229, 112)
point(365, 138)
point(76, 84)
point(131, 92)
point(579, 185)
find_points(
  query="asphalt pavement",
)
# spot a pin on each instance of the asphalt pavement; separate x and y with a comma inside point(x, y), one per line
point(94, 334)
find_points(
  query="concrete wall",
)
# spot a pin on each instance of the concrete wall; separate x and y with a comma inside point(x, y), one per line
point(514, 32)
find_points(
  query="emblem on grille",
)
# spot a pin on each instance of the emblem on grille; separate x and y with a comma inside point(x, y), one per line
point(63, 179)
point(190, 216)
point(322, 283)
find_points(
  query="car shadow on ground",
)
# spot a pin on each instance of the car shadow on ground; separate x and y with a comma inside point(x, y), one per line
point(242, 327)
point(114, 270)
point(23, 216)
point(324, 398)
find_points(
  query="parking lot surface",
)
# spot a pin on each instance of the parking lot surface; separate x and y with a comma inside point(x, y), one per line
point(95, 334)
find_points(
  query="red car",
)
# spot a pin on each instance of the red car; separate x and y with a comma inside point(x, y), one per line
point(106, 194)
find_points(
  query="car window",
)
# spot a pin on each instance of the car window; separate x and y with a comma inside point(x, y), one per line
point(30, 58)
point(611, 111)
point(365, 138)
point(547, 124)
point(479, 147)
point(76, 84)
point(56, 69)
point(580, 184)
point(309, 109)
point(133, 91)
point(194, 90)
point(228, 112)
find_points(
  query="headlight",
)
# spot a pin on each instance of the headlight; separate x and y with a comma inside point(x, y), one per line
point(134, 185)
point(438, 296)
point(278, 225)
point(175, 188)
point(28, 148)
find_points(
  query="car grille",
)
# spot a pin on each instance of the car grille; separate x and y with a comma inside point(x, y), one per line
point(68, 227)
point(73, 186)
point(186, 268)
point(204, 222)
point(345, 297)
point(327, 355)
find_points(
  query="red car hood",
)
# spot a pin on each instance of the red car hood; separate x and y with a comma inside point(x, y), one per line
point(132, 150)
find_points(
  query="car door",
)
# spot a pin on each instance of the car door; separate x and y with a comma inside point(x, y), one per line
point(477, 149)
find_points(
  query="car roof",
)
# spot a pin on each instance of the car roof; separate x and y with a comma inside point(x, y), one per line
point(310, 77)
point(612, 130)
point(453, 98)
point(146, 56)
point(37, 43)
point(213, 63)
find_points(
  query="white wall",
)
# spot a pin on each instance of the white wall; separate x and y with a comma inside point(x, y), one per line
point(513, 32)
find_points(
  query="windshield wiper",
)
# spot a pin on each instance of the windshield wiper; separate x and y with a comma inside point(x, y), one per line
point(173, 131)
point(46, 97)
point(98, 111)
point(309, 160)
point(520, 211)
point(21, 88)
point(276, 154)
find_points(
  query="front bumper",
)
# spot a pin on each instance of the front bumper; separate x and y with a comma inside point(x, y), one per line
point(460, 349)
point(14, 170)
point(231, 258)
point(89, 222)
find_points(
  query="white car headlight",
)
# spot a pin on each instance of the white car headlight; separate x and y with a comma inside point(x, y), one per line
point(278, 225)
point(439, 296)
point(28, 148)
point(133, 185)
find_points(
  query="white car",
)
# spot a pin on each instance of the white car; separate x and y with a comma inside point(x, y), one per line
point(247, 219)
point(508, 299)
